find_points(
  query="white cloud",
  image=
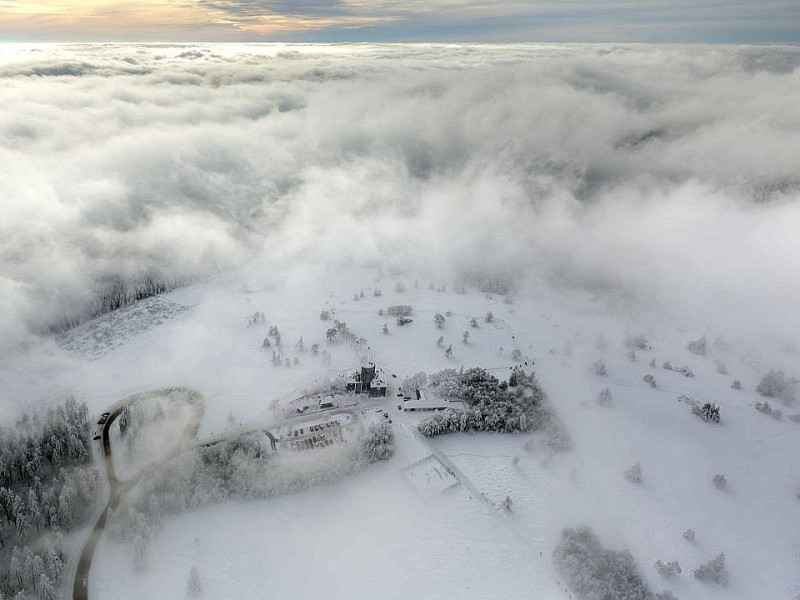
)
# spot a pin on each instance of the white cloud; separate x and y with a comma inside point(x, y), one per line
point(663, 173)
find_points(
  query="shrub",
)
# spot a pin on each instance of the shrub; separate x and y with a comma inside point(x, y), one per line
point(713, 571)
point(776, 385)
point(698, 346)
point(599, 368)
point(720, 482)
point(668, 570)
point(400, 310)
point(634, 474)
point(604, 397)
point(598, 573)
point(766, 409)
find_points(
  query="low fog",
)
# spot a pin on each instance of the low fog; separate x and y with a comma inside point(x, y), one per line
point(651, 178)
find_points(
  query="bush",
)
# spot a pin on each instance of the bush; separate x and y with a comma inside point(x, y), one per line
point(709, 412)
point(668, 570)
point(713, 571)
point(776, 385)
point(766, 409)
point(400, 310)
point(598, 573)
point(599, 368)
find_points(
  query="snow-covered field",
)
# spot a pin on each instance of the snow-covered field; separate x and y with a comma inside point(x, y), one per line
point(407, 528)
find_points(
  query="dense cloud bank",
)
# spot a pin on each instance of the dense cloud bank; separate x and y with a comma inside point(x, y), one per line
point(663, 174)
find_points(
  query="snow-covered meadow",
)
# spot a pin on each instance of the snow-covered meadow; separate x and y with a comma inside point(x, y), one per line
point(592, 213)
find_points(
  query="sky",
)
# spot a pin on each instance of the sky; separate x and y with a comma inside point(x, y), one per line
point(663, 21)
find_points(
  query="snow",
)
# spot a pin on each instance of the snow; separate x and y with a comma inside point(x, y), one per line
point(409, 528)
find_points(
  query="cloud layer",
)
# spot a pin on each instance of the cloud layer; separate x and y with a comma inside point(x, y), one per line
point(663, 174)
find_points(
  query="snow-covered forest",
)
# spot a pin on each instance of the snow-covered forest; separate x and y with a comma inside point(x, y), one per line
point(48, 488)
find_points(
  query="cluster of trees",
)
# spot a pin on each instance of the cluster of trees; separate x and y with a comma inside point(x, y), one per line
point(595, 572)
point(516, 405)
point(236, 469)
point(46, 490)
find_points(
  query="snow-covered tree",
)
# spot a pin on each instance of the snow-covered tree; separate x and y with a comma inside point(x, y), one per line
point(139, 553)
point(378, 443)
point(709, 412)
point(438, 318)
point(604, 397)
point(448, 351)
point(599, 368)
point(698, 346)
point(194, 586)
point(720, 482)
point(668, 570)
point(489, 317)
point(775, 384)
point(634, 474)
point(465, 337)
point(713, 571)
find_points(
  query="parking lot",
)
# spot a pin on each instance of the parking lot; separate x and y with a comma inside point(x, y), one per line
point(320, 433)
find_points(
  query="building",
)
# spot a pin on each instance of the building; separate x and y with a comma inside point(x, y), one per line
point(427, 401)
point(366, 381)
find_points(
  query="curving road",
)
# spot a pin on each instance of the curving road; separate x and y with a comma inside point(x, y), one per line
point(80, 586)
